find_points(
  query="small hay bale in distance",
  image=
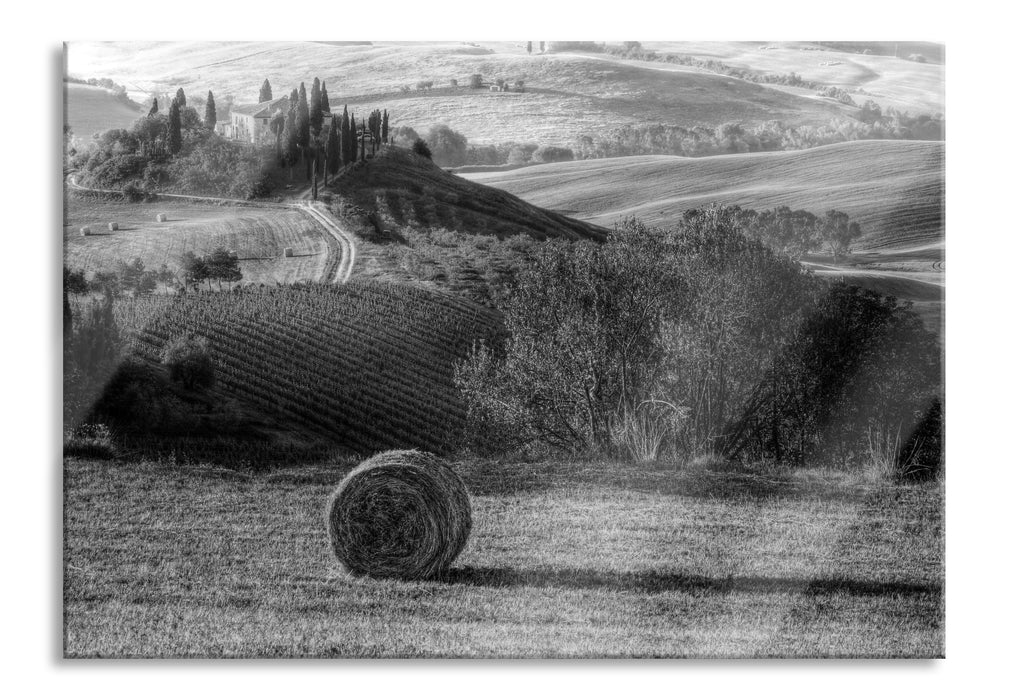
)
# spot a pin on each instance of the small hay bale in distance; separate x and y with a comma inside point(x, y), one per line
point(113, 226)
point(288, 252)
point(400, 514)
point(85, 230)
point(161, 218)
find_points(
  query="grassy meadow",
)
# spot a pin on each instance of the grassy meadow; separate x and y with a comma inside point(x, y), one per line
point(258, 235)
point(565, 560)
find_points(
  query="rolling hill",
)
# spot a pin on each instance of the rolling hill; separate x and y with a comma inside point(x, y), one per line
point(894, 189)
point(91, 109)
point(567, 94)
point(418, 223)
point(410, 190)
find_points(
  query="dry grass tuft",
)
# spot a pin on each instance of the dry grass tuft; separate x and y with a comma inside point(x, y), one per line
point(400, 514)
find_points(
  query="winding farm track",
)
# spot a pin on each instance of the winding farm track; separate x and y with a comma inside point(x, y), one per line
point(348, 249)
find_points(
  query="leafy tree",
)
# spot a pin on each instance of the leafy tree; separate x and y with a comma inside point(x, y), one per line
point(180, 97)
point(91, 351)
point(552, 154)
point(210, 116)
point(154, 108)
point(222, 266)
point(266, 92)
point(837, 233)
point(74, 281)
point(676, 326)
point(476, 81)
point(404, 135)
point(189, 363)
point(192, 269)
point(175, 127)
point(448, 147)
point(420, 148)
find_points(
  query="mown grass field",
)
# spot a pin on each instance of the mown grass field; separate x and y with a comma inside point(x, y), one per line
point(894, 189)
point(258, 235)
point(568, 93)
point(564, 560)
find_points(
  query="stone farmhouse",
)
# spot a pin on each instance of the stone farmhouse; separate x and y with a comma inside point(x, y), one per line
point(251, 123)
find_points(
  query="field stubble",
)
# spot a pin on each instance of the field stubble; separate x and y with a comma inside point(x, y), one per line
point(563, 561)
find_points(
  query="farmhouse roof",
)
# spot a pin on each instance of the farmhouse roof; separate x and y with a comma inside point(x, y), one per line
point(263, 109)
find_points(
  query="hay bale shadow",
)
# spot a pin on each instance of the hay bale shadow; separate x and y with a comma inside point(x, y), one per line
point(657, 581)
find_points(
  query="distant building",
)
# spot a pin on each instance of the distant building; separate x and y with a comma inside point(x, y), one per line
point(251, 123)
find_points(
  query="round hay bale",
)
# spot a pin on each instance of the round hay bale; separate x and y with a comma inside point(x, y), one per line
point(113, 226)
point(85, 230)
point(400, 514)
point(161, 218)
point(288, 252)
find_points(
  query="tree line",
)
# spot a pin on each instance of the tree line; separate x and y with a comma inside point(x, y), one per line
point(219, 266)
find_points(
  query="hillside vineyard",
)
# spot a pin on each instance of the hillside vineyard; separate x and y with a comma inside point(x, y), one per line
point(365, 365)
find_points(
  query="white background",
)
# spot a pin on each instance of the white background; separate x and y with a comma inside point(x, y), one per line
point(977, 458)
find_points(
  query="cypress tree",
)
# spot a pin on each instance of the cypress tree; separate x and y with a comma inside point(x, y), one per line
point(290, 139)
point(154, 108)
point(210, 116)
point(180, 97)
point(266, 92)
point(304, 127)
point(332, 151)
point(345, 138)
point(175, 128)
point(385, 126)
point(353, 139)
point(325, 99)
point(315, 110)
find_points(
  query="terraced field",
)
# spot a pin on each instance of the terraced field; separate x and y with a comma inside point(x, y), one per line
point(258, 235)
point(364, 366)
point(894, 189)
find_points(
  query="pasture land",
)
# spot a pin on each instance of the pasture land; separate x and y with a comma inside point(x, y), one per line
point(908, 86)
point(91, 109)
point(894, 189)
point(567, 94)
point(564, 560)
point(259, 236)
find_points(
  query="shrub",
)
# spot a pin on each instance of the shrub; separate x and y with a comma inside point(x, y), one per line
point(90, 441)
point(448, 147)
point(189, 363)
point(420, 148)
point(552, 154)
